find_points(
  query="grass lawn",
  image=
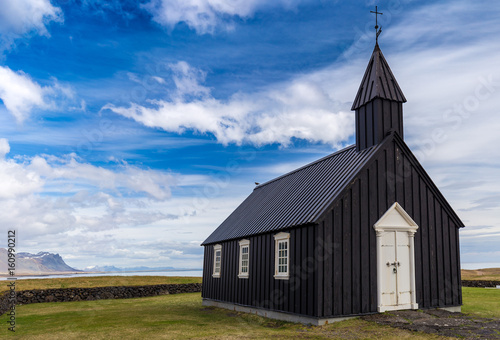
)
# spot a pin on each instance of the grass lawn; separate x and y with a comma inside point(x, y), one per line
point(98, 281)
point(482, 302)
point(179, 316)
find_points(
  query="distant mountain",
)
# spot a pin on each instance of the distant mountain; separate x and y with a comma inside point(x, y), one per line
point(103, 269)
point(130, 269)
point(35, 264)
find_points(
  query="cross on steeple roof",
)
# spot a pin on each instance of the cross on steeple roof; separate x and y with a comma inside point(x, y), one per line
point(377, 31)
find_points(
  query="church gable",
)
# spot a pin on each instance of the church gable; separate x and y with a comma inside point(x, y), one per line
point(396, 217)
point(393, 174)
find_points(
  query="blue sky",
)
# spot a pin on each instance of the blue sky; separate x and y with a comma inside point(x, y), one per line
point(131, 129)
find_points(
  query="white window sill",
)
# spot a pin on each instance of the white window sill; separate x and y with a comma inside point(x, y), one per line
point(281, 277)
point(216, 276)
point(243, 276)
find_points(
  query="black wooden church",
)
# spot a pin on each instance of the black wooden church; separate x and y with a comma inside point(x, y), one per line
point(360, 231)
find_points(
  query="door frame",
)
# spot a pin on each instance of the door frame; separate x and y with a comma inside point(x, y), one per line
point(395, 219)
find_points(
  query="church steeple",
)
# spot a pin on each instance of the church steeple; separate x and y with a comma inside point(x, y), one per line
point(378, 103)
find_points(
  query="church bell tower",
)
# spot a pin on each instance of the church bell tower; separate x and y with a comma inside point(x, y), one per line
point(378, 104)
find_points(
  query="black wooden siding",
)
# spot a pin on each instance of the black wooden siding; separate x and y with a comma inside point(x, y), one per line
point(296, 295)
point(333, 263)
point(350, 277)
point(375, 119)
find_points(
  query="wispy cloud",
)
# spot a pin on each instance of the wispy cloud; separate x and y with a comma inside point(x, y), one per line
point(25, 176)
point(205, 16)
point(66, 196)
point(24, 18)
point(300, 109)
point(21, 94)
point(124, 179)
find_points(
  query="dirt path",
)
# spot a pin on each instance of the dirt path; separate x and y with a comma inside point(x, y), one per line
point(440, 322)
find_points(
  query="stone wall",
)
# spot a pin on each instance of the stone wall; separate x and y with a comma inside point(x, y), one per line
point(4, 302)
point(99, 293)
point(479, 283)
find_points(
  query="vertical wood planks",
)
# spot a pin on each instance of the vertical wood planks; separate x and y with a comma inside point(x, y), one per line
point(328, 265)
point(337, 260)
point(455, 265)
point(432, 251)
point(364, 247)
point(369, 125)
point(346, 253)
point(356, 249)
point(439, 256)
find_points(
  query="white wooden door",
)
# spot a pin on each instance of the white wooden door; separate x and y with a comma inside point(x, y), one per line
point(395, 260)
point(395, 251)
point(403, 269)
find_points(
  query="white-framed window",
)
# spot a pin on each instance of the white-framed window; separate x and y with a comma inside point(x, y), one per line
point(244, 259)
point(217, 260)
point(282, 256)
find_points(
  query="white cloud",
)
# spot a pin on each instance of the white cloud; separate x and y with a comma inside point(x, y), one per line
point(18, 181)
point(67, 175)
point(4, 147)
point(71, 207)
point(125, 179)
point(21, 94)
point(205, 16)
point(24, 17)
point(186, 79)
point(302, 109)
point(159, 79)
point(44, 196)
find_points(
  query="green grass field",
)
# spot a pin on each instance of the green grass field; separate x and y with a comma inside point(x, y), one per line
point(182, 316)
point(482, 302)
point(179, 316)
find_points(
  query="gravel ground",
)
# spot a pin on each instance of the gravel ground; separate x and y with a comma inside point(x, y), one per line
point(436, 321)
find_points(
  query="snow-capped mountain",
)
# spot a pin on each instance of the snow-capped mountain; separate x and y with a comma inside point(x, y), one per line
point(128, 269)
point(36, 264)
point(103, 269)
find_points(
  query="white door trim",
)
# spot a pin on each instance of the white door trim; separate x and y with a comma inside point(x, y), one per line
point(396, 219)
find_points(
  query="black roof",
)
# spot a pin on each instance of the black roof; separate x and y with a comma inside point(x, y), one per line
point(296, 198)
point(378, 82)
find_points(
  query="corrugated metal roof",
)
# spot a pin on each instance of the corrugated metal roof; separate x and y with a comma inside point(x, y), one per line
point(296, 198)
point(378, 82)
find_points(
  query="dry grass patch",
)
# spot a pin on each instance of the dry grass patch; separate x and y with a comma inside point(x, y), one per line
point(98, 281)
point(492, 274)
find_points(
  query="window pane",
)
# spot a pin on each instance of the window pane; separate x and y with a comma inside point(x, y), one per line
point(282, 257)
point(244, 259)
